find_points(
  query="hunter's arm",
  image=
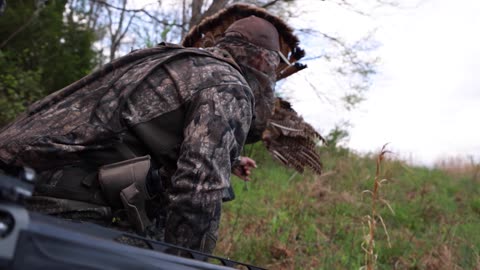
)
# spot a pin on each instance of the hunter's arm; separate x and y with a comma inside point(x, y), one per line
point(216, 125)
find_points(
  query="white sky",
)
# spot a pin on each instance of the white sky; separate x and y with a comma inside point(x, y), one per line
point(425, 99)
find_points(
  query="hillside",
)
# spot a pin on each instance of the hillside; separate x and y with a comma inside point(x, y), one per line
point(283, 220)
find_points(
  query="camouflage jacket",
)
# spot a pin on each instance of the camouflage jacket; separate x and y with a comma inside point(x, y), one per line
point(189, 109)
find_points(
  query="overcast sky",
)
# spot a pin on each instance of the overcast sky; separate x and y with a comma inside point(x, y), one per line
point(425, 99)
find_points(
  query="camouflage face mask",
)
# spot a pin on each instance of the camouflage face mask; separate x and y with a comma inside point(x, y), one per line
point(258, 66)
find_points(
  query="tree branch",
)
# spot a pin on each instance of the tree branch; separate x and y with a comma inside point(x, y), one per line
point(269, 4)
point(196, 12)
point(214, 7)
point(139, 10)
point(122, 35)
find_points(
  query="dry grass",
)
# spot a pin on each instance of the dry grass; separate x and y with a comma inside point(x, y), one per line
point(460, 167)
point(368, 245)
point(439, 258)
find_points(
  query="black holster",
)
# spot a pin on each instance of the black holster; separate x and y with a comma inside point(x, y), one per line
point(124, 185)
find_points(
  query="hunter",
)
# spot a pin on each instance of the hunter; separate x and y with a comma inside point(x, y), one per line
point(149, 141)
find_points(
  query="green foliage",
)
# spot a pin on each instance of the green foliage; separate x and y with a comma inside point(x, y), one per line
point(165, 32)
point(41, 52)
point(18, 88)
point(283, 220)
point(335, 138)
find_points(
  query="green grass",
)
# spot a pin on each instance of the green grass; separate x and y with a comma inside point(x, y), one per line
point(283, 220)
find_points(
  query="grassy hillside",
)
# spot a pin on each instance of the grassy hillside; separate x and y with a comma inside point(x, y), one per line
point(283, 220)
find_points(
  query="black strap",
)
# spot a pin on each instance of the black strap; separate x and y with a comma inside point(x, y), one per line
point(9, 170)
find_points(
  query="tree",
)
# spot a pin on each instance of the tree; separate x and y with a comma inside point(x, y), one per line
point(41, 52)
point(120, 26)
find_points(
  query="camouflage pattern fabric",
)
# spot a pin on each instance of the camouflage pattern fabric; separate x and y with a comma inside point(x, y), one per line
point(95, 116)
point(258, 66)
point(217, 105)
point(216, 125)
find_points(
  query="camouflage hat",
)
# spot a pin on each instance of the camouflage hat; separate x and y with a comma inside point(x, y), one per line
point(257, 31)
point(255, 25)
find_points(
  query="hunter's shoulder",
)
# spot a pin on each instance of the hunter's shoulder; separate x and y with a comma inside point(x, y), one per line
point(206, 68)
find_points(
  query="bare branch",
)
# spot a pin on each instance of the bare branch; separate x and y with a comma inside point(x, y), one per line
point(110, 22)
point(214, 7)
point(271, 3)
point(116, 37)
point(140, 10)
point(122, 35)
point(347, 5)
point(196, 15)
point(184, 18)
